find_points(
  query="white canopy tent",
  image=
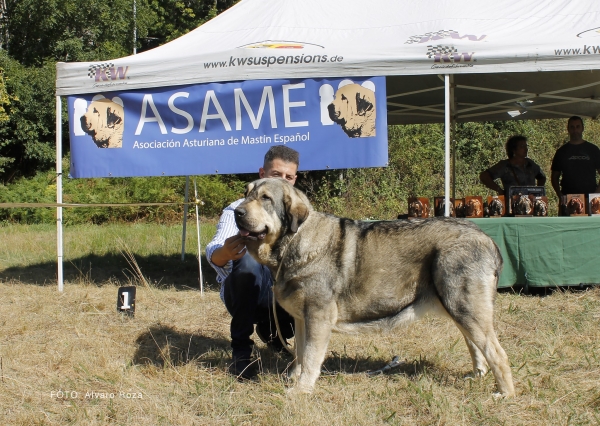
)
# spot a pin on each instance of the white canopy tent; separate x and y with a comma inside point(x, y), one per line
point(444, 61)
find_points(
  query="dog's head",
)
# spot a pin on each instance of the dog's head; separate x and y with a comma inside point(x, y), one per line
point(575, 206)
point(473, 207)
point(522, 206)
point(104, 121)
point(595, 205)
point(272, 208)
point(354, 109)
point(496, 208)
point(540, 207)
point(415, 209)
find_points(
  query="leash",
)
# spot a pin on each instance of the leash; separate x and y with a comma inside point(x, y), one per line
point(394, 363)
point(283, 342)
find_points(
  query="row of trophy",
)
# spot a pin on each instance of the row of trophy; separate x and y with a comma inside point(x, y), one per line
point(579, 205)
point(477, 207)
point(523, 202)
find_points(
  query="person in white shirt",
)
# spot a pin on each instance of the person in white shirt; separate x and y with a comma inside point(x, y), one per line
point(246, 284)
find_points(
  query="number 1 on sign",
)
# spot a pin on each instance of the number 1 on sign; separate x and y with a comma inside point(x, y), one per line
point(125, 300)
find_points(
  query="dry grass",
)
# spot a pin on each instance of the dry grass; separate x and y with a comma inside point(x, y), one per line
point(174, 352)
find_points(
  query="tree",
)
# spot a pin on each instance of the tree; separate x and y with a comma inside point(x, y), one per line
point(34, 31)
point(72, 30)
point(37, 33)
point(27, 132)
point(174, 18)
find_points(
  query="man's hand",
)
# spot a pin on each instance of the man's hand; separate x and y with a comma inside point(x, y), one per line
point(233, 249)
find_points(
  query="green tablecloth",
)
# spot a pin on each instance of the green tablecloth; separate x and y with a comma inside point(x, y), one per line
point(546, 251)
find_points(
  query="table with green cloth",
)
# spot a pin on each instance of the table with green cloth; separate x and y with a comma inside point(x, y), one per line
point(546, 251)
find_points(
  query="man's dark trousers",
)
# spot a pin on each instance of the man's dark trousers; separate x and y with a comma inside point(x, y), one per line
point(248, 298)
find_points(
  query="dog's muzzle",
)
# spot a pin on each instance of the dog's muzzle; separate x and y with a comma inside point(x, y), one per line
point(333, 114)
point(240, 221)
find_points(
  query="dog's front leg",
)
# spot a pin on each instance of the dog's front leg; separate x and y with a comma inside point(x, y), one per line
point(300, 343)
point(318, 324)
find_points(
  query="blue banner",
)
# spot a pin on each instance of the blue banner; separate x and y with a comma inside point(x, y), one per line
point(218, 128)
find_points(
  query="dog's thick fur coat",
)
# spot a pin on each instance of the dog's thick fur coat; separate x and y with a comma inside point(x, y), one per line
point(336, 274)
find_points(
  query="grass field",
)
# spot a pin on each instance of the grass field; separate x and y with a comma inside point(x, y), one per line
point(70, 358)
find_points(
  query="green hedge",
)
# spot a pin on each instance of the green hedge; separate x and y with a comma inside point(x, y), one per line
point(416, 168)
point(214, 191)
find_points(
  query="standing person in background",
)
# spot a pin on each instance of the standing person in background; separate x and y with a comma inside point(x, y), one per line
point(246, 284)
point(517, 170)
point(575, 163)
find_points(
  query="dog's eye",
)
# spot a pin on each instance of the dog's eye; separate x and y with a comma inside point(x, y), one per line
point(266, 197)
point(344, 98)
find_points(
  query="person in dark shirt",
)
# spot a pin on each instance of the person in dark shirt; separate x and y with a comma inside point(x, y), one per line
point(517, 170)
point(575, 163)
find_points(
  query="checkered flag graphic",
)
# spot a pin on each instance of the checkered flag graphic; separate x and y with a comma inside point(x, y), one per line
point(430, 35)
point(440, 50)
point(93, 68)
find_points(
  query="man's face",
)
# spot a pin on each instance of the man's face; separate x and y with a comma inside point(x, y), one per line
point(521, 149)
point(281, 169)
point(575, 129)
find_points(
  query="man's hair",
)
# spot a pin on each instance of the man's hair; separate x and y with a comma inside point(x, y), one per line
point(575, 117)
point(511, 144)
point(282, 152)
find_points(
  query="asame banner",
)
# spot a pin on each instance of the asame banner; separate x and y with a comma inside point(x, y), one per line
point(218, 128)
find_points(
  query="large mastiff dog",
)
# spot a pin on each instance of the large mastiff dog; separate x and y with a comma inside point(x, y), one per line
point(335, 274)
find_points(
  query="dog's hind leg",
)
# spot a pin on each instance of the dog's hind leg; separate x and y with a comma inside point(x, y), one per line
point(465, 281)
point(472, 309)
point(480, 366)
point(482, 335)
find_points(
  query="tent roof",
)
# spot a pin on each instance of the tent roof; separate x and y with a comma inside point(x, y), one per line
point(534, 59)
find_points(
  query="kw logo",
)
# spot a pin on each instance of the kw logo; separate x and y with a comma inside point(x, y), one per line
point(442, 34)
point(448, 55)
point(107, 71)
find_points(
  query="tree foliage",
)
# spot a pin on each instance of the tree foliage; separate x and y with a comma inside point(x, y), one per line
point(36, 31)
point(174, 18)
point(35, 34)
point(27, 134)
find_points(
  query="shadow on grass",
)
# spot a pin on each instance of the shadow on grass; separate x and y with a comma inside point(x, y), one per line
point(159, 271)
point(524, 290)
point(165, 346)
point(336, 363)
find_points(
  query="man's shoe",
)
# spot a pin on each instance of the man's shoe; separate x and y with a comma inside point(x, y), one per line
point(243, 368)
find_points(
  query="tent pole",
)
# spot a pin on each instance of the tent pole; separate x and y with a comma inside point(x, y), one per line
point(447, 145)
point(185, 213)
point(453, 134)
point(59, 195)
point(199, 246)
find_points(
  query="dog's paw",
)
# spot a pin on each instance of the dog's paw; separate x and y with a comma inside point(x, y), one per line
point(476, 374)
point(298, 390)
point(480, 372)
point(294, 373)
point(498, 396)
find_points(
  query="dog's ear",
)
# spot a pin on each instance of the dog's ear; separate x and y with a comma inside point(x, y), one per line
point(296, 208)
point(112, 118)
point(249, 188)
point(363, 105)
